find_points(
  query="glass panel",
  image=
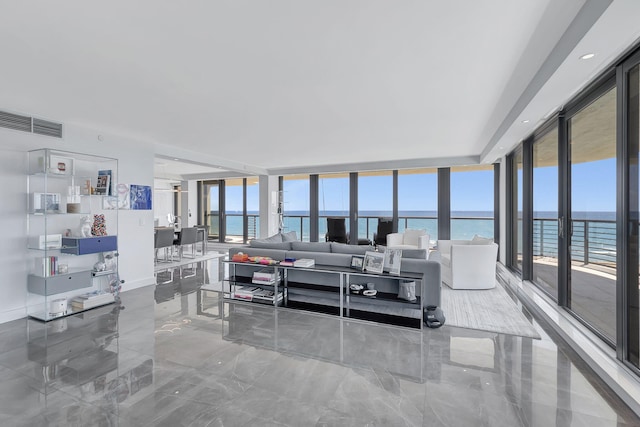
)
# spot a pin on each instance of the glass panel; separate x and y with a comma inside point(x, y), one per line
point(472, 202)
point(418, 200)
point(545, 212)
point(211, 210)
point(633, 138)
point(253, 207)
point(517, 232)
point(234, 207)
point(296, 205)
point(592, 143)
point(375, 200)
point(333, 194)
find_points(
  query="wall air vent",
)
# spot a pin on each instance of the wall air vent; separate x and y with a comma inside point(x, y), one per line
point(29, 124)
point(44, 127)
point(15, 121)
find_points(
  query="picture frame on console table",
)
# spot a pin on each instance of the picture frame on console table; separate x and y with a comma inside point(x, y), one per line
point(392, 260)
point(357, 262)
point(373, 262)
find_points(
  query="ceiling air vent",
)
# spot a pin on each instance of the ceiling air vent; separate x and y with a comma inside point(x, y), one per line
point(44, 127)
point(15, 121)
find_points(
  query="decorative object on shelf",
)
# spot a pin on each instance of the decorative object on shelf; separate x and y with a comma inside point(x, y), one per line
point(356, 288)
point(45, 202)
point(73, 198)
point(407, 290)
point(373, 262)
point(49, 241)
point(99, 266)
point(60, 165)
point(58, 307)
point(369, 293)
point(63, 268)
point(357, 262)
point(240, 257)
point(84, 230)
point(99, 227)
point(140, 196)
point(392, 260)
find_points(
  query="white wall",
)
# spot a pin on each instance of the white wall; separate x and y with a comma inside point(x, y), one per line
point(135, 227)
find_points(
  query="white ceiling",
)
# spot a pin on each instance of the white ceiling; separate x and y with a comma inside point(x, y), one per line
point(287, 85)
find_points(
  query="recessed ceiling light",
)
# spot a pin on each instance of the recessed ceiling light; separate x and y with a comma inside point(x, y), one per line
point(525, 121)
point(588, 56)
point(175, 160)
point(501, 148)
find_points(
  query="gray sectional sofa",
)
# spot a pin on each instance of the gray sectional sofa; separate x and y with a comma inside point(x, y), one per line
point(338, 255)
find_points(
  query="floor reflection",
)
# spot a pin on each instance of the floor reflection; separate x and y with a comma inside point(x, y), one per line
point(178, 354)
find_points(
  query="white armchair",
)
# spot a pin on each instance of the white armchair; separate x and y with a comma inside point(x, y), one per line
point(468, 264)
point(410, 239)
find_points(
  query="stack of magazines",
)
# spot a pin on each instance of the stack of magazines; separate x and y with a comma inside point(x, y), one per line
point(91, 299)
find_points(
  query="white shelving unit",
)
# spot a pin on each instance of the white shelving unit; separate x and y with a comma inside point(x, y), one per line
point(62, 195)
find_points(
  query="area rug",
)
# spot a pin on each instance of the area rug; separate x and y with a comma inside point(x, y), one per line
point(489, 310)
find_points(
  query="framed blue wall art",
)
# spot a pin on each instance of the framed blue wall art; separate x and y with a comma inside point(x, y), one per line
point(140, 197)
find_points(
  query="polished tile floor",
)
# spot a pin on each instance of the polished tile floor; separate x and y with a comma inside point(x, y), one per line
point(176, 354)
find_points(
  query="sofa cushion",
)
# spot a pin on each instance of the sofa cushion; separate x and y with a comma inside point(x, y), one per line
point(479, 240)
point(262, 244)
point(290, 236)
point(343, 248)
point(311, 246)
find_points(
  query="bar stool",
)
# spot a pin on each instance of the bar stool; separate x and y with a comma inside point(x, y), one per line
point(188, 236)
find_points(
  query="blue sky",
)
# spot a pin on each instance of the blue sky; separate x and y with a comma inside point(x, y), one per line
point(594, 189)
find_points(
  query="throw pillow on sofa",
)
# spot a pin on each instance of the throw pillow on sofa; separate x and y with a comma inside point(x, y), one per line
point(479, 240)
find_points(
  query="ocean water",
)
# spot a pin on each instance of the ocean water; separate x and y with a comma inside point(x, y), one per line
point(593, 238)
point(464, 225)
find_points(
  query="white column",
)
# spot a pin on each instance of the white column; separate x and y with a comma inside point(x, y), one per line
point(268, 205)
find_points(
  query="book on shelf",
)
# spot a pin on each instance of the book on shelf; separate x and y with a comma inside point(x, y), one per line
point(92, 299)
point(265, 276)
point(110, 186)
point(286, 263)
point(47, 266)
point(304, 262)
point(267, 296)
point(103, 184)
point(245, 292)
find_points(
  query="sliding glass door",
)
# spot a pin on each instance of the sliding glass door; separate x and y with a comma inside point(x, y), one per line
point(592, 222)
point(211, 208)
point(545, 212)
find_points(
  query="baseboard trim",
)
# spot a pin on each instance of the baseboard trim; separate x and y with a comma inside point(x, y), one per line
point(15, 314)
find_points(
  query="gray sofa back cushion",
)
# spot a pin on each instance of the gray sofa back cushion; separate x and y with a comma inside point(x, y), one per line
point(311, 247)
point(323, 258)
point(285, 246)
point(342, 248)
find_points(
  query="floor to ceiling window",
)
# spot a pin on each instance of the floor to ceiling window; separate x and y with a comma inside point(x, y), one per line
point(545, 212)
point(418, 200)
point(333, 200)
point(375, 200)
point(516, 210)
point(592, 146)
point(210, 197)
point(296, 205)
point(234, 210)
point(632, 253)
point(253, 207)
point(472, 201)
